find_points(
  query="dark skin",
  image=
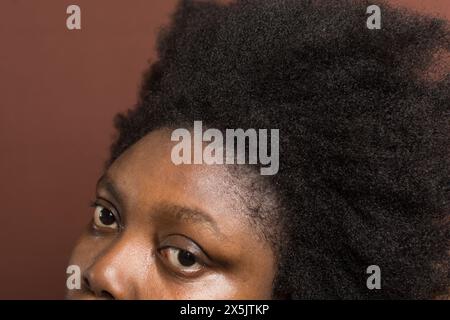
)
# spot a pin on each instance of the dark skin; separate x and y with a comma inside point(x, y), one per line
point(162, 231)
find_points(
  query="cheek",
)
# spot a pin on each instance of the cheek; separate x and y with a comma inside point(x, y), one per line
point(246, 285)
point(211, 287)
point(220, 287)
point(87, 248)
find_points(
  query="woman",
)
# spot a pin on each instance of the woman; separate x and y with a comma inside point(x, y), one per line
point(363, 160)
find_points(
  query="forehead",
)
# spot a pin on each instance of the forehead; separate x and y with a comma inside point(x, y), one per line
point(147, 177)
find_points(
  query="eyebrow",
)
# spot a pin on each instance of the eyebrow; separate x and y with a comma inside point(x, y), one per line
point(165, 209)
point(187, 214)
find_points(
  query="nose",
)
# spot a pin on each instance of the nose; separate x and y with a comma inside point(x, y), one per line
point(105, 281)
point(97, 290)
point(116, 271)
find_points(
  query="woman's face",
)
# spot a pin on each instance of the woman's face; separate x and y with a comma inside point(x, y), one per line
point(161, 231)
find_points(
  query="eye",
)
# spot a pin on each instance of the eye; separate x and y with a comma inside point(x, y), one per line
point(181, 261)
point(104, 218)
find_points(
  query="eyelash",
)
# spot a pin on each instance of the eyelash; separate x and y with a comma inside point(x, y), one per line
point(176, 270)
point(194, 242)
point(180, 271)
point(95, 203)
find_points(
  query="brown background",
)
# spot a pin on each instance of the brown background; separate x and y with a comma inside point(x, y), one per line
point(59, 91)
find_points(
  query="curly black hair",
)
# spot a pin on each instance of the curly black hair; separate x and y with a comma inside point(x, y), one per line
point(364, 127)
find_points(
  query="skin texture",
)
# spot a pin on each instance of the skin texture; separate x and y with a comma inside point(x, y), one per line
point(164, 208)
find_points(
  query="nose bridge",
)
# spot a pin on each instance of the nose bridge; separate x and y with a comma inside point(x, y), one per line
point(118, 271)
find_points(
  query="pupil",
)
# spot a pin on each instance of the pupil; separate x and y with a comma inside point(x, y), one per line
point(186, 258)
point(107, 217)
